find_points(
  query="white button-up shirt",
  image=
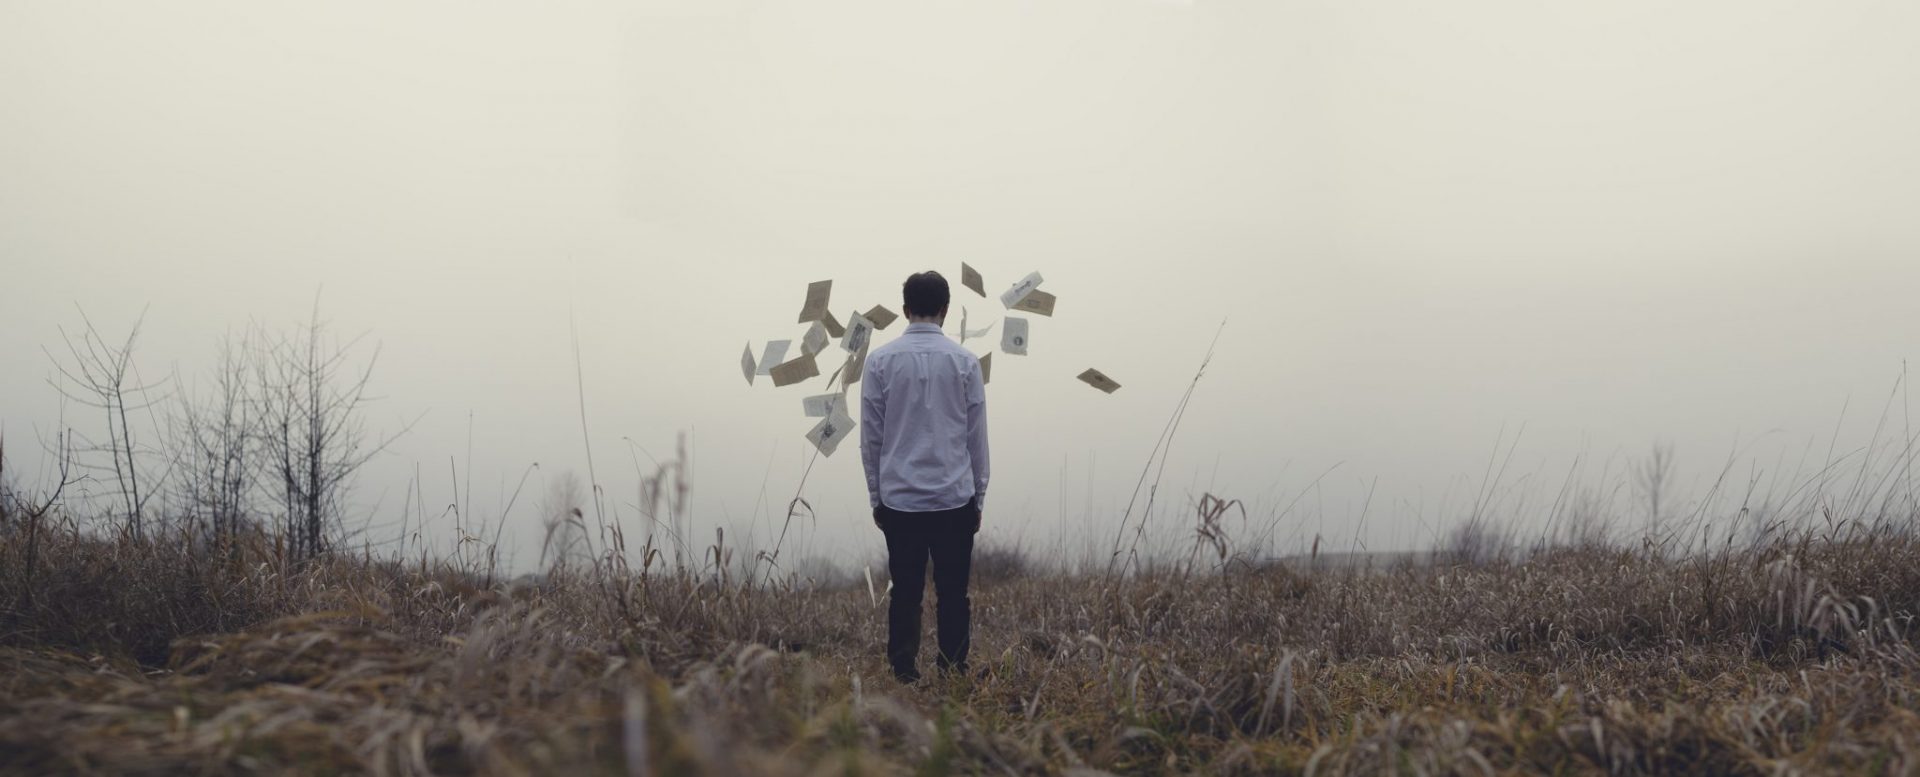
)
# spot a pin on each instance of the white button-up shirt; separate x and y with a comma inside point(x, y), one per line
point(923, 432)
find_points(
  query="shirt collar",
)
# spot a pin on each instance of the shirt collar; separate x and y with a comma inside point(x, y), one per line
point(924, 327)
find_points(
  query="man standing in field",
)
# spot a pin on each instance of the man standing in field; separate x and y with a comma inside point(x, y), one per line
point(923, 441)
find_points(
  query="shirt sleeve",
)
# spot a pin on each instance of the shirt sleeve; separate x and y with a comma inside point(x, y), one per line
point(977, 433)
point(873, 416)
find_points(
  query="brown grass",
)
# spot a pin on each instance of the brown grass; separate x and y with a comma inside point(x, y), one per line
point(1794, 657)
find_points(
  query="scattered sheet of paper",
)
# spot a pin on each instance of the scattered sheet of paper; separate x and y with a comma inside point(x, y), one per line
point(970, 278)
point(986, 368)
point(1099, 380)
point(881, 317)
point(859, 332)
point(1037, 301)
point(834, 329)
point(969, 334)
point(827, 434)
point(1013, 336)
point(816, 307)
point(747, 367)
point(822, 405)
point(770, 358)
point(856, 364)
point(816, 339)
point(795, 371)
point(1012, 297)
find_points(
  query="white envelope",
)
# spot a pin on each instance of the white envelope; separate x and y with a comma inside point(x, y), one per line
point(1013, 336)
point(1012, 297)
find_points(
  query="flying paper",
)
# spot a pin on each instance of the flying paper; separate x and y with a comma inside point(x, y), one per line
point(1013, 336)
point(986, 368)
point(770, 358)
point(833, 326)
point(1099, 380)
point(1012, 297)
point(795, 371)
point(822, 405)
point(881, 317)
point(827, 434)
point(856, 364)
point(968, 334)
point(816, 340)
point(859, 331)
point(747, 366)
point(816, 307)
point(970, 278)
point(1036, 301)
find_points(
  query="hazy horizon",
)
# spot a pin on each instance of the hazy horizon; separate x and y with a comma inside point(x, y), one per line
point(1425, 228)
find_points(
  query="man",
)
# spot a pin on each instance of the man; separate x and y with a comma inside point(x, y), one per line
point(924, 443)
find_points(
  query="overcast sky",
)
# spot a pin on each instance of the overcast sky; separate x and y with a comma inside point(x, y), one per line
point(1425, 225)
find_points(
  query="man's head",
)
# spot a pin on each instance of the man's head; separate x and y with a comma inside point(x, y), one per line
point(925, 298)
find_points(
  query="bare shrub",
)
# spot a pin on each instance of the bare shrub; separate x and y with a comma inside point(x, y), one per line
point(99, 374)
point(308, 406)
point(214, 440)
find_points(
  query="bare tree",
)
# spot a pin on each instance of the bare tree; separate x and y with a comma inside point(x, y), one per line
point(101, 375)
point(1654, 476)
point(307, 411)
point(213, 438)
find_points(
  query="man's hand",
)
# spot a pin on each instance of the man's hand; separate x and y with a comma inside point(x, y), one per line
point(978, 512)
point(876, 520)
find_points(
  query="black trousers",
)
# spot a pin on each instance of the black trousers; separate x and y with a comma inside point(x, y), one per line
point(946, 538)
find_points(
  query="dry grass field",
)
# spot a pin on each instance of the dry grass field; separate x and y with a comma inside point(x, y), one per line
point(1795, 656)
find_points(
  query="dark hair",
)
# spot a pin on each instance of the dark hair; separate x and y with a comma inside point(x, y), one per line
point(924, 294)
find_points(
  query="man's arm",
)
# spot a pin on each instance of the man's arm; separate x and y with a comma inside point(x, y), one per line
point(977, 435)
point(873, 416)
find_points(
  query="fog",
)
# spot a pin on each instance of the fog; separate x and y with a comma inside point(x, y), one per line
point(1429, 236)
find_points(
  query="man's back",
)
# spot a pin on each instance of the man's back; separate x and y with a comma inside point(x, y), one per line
point(924, 427)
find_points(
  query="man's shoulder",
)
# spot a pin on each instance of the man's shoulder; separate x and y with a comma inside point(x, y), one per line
point(888, 349)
